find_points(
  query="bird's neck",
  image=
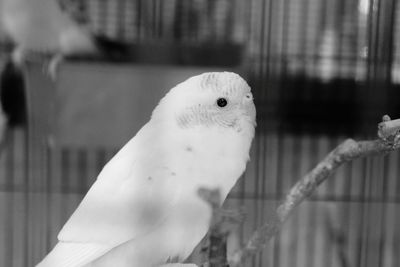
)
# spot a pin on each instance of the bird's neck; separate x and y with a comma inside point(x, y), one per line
point(214, 158)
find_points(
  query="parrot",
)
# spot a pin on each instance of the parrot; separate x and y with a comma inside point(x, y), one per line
point(144, 209)
point(43, 26)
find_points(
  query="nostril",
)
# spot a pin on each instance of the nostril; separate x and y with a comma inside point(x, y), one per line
point(249, 96)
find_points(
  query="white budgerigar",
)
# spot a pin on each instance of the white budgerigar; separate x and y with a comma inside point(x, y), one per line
point(144, 209)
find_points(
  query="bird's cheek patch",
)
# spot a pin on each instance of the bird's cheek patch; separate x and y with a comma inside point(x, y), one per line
point(207, 116)
point(226, 121)
point(184, 120)
point(193, 116)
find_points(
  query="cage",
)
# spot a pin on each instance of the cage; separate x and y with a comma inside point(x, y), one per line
point(320, 71)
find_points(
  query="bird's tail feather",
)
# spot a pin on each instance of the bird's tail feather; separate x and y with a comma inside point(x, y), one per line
point(66, 254)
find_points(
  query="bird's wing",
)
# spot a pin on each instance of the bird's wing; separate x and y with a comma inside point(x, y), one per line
point(131, 196)
point(69, 254)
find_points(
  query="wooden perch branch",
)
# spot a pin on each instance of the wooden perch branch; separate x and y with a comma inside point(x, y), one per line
point(216, 248)
point(389, 136)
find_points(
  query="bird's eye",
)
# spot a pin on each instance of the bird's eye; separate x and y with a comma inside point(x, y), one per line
point(222, 102)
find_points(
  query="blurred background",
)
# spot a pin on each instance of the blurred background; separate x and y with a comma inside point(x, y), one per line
point(320, 71)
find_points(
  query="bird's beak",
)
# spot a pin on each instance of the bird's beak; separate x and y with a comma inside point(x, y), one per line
point(249, 107)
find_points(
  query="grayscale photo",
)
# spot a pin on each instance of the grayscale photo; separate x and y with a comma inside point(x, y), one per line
point(199, 133)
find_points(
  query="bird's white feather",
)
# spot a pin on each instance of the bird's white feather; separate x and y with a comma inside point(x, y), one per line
point(144, 208)
point(66, 254)
point(130, 195)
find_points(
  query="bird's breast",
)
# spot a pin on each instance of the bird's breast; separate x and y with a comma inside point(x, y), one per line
point(211, 159)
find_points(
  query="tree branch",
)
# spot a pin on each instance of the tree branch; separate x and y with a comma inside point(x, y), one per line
point(389, 136)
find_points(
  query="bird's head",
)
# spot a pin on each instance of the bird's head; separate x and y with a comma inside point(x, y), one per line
point(214, 99)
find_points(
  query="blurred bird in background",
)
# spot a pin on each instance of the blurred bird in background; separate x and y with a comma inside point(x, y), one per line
point(44, 27)
point(144, 209)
